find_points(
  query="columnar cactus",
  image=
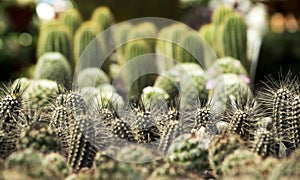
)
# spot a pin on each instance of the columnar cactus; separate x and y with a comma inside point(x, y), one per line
point(56, 38)
point(54, 66)
point(103, 17)
point(134, 50)
point(120, 36)
point(72, 19)
point(86, 34)
point(206, 32)
point(235, 39)
point(12, 119)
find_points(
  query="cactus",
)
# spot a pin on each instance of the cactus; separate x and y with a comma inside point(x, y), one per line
point(230, 65)
point(153, 97)
point(27, 162)
point(74, 127)
point(12, 119)
point(278, 98)
point(72, 19)
point(55, 165)
point(39, 93)
point(192, 154)
point(190, 49)
point(86, 37)
point(135, 154)
point(220, 147)
point(235, 39)
point(287, 169)
point(134, 50)
point(242, 162)
point(103, 17)
point(120, 36)
point(168, 82)
point(56, 38)
point(91, 77)
point(54, 66)
point(206, 32)
point(42, 140)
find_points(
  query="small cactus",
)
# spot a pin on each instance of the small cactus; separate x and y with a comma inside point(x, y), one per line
point(56, 165)
point(230, 65)
point(53, 66)
point(103, 17)
point(91, 76)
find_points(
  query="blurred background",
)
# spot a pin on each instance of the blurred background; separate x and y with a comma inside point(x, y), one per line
point(277, 22)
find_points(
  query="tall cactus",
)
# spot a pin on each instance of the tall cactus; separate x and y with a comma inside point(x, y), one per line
point(72, 19)
point(235, 38)
point(53, 66)
point(134, 50)
point(55, 37)
point(103, 17)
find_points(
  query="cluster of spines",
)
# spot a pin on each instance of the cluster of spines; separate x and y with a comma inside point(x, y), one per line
point(74, 128)
point(11, 119)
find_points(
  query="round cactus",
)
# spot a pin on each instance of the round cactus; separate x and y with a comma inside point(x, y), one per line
point(39, 93)
point(56, 165)
point(168, 81)
point(220, 147)
point(230, 65)
point(91, 77)
point(241, 161)
point(54, 66)
point(135, 154)
point(153, 96)
point(192, 154)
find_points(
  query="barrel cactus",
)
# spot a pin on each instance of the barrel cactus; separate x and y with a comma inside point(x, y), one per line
point(230, 65)
point(103, 17)
point(72, 19)
point(55, 164)
point(54, 66)
point(91, 76)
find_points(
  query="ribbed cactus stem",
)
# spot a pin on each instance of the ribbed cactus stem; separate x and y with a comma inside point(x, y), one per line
point(72, 19)
point(295, 136)
point(103, 17)
point(56, 38)
point(235, 39)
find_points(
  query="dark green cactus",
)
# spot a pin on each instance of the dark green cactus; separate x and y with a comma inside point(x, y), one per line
point(54, 66)
point(235, 39)
point(56, 37)
point(72, 19)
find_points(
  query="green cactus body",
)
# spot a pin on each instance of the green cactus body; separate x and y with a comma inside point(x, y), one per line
point(120, 36)
point(56, 165)
point(56, 38)
point(134, 50)
point(229, 88)
point(54, 66)
point(218, 18)
point(192, 154)
point(91, 77)
point(72, 19)
point(154, 97)
point(39, 93)
point(192, 48)
point(220, 147)
point(168, 81)
point(103, 17)
point(135, 154)
point(42, 140)
point(235, 39)
point(11, 119)
point(206, 32)
point(230, 65)
point(85, 34)
point(242, 162)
